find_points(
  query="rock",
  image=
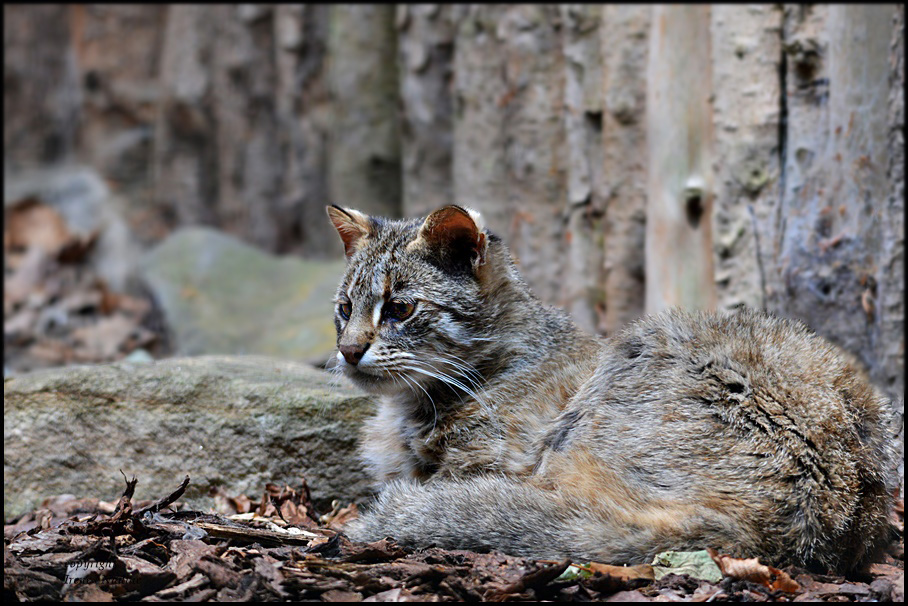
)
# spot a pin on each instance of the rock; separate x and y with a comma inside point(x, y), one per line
point(222, 296)
point(87, 205)
point(235, 422)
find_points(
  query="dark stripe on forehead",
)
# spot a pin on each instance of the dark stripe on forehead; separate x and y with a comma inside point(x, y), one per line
point(373, 264)
point(353, 283)
point(380, 270)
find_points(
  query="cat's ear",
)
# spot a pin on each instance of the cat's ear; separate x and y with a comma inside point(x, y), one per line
point(454, 236)
point(352, 225)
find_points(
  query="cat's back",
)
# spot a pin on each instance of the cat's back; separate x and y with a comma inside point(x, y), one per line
point(744, 413)
point(747, 370)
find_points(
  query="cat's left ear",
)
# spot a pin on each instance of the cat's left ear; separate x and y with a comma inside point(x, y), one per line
point(454, 236)
point(352, 225)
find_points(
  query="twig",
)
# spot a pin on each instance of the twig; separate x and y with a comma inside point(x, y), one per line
point(166, 501)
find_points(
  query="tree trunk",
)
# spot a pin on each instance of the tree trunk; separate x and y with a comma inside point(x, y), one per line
point(426, 54)
point(118, 51)
point(890, 304)
point(184, 160)
point(41, 104)
point(747, 50)
point(479, 133)
point(624, 41)
point(583, 270)
point(834, 218)
point(364, 160)
point(303, 112)
point(679, 263)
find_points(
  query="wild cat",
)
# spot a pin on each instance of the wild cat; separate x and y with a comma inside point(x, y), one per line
point(503, 426)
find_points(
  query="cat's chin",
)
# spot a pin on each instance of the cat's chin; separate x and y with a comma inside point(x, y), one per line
point(375, 384)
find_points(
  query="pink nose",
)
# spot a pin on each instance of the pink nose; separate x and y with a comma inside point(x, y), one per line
point(353, 353)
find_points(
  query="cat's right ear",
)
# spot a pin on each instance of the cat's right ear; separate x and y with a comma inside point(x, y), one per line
point(454, 237)
point(352, 225)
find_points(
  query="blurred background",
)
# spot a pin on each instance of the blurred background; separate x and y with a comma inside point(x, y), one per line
point(166, 166)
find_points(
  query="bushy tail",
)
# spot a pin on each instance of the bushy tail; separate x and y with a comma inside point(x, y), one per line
point(495, 513)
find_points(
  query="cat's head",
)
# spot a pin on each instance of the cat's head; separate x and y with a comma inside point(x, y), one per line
point(409, 310)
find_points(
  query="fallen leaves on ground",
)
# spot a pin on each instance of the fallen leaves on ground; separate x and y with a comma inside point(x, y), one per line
point(56, 310)
point(278, 549)
point(750, 569)
point(697, 564)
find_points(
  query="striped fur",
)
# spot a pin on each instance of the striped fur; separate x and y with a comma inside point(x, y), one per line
point(502, 426)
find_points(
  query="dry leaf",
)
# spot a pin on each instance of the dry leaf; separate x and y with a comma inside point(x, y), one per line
point(26, 279)
point(243, 504)
point(625, 573)
point(618, 578)
point(51, 352)
point(750, 569)
point(102, 340)
point(19, 326)
point(30, 224)
point(297, 515)
point(76, 249)
point(339, 515)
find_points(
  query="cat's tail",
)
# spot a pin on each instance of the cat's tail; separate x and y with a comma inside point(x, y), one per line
point(518, 518)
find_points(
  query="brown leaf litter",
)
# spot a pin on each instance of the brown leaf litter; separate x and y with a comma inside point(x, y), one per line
point(278, 548)
point(56, 310)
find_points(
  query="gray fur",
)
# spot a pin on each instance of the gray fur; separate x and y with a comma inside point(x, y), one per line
point(743, 432)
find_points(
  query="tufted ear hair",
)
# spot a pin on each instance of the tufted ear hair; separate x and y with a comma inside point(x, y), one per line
point(453, 237)
point(352, 225)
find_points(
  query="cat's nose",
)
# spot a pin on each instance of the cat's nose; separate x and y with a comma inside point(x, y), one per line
point(353, 353)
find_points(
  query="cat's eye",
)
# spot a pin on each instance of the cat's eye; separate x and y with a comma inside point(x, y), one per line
point(398, 310)
point(344, 309)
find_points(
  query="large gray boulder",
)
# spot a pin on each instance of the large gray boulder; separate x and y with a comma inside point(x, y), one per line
point(221, 296)
point(234, 422)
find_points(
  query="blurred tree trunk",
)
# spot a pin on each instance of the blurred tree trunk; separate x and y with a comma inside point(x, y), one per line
point(679, 263)
point(624, 43)
point(582, 267)
point(364, 160)
point(479, 135)
point(509, 145)
point(837, 249)
point(426, 55)
point(890, 303)
point(184, 166)
point(41, 104)
point(746, 57)
point(241, 134)
point(119, 92)
point(303, 100)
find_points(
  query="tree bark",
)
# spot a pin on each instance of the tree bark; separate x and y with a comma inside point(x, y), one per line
point(746, 43)
point(184, 158)
point(890, 305)
point(624, 42)
point(304, 119)
point(583, 270)
point(832, 230)
point(534, 154)
point(679, 262)
point(364, 160)
point(479, 134)
point(118, 53)
point(426, 54)
point(41, 104)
